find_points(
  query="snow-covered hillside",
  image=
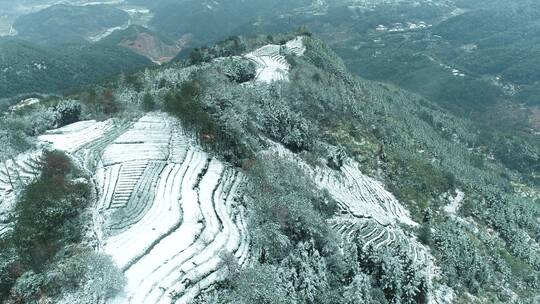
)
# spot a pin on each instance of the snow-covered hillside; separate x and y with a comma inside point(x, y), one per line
point(15, 173)
point(368, 212)
point(270, 60)
point(167, 212)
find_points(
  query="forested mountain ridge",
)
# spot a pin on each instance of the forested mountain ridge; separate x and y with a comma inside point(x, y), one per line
point(490, 77)
point(26, 67)
point(408, 44)
point(350, 191)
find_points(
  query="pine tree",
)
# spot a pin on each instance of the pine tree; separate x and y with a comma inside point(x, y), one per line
point(359, 291)
point(309, 272)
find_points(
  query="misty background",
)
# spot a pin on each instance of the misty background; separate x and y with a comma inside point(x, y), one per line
point(477, 58)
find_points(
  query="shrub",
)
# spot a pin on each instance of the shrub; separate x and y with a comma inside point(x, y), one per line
point(28, 287)
point(284, 211)
point(47, 213)
point(69, 111)
point(148, 103)
point(199, 117)
point(258, 284)
point(239, 71)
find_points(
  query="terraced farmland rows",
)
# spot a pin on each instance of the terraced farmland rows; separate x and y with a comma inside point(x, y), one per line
point(14, 174)
point(192, 252)
point(72, 137)
point(361, 195)
point(86, 140)
point(147, 140)
point(79, 140)
point(372, 214)
point(369, 213)
point(270, 60)
point(167, 211)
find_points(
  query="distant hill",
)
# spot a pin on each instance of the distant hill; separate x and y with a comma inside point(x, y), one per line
point(210, 21)
point(69, 24)
point(145, 42)
point(27, 67)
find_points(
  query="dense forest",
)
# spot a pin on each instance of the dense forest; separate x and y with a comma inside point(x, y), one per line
point(27, 67)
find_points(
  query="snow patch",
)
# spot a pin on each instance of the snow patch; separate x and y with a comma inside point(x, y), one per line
point(107, 32)
point(455, 203)
point(25, 103)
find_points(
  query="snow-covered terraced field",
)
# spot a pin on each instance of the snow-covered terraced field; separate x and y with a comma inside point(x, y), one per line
point(14, 174)
point(147, 140)
point(369, 213)
point(86, 140)
point(167, 211)
point(361, 195)
point(73, 137)
point(22, 169)
point(270, 60)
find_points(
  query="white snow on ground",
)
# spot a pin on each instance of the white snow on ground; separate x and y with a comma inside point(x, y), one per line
point(25, 103)
point(147, 140)
point(356, 193)
point(368, 212)
point(455, 203)
point(111, 2)
point(72, 137)
point(166, 210)
point(361, 195)
point(21, 170)
point(270, 60)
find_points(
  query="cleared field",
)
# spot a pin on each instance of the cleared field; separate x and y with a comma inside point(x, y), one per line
point(270, 60)
point(369, 213)
point(167, 211)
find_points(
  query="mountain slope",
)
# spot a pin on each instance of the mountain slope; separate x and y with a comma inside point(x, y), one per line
point(168, 209)
point(68, 24)
point(147, 43)
point(344, 189)
point(409, 44)
point(28, 67)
